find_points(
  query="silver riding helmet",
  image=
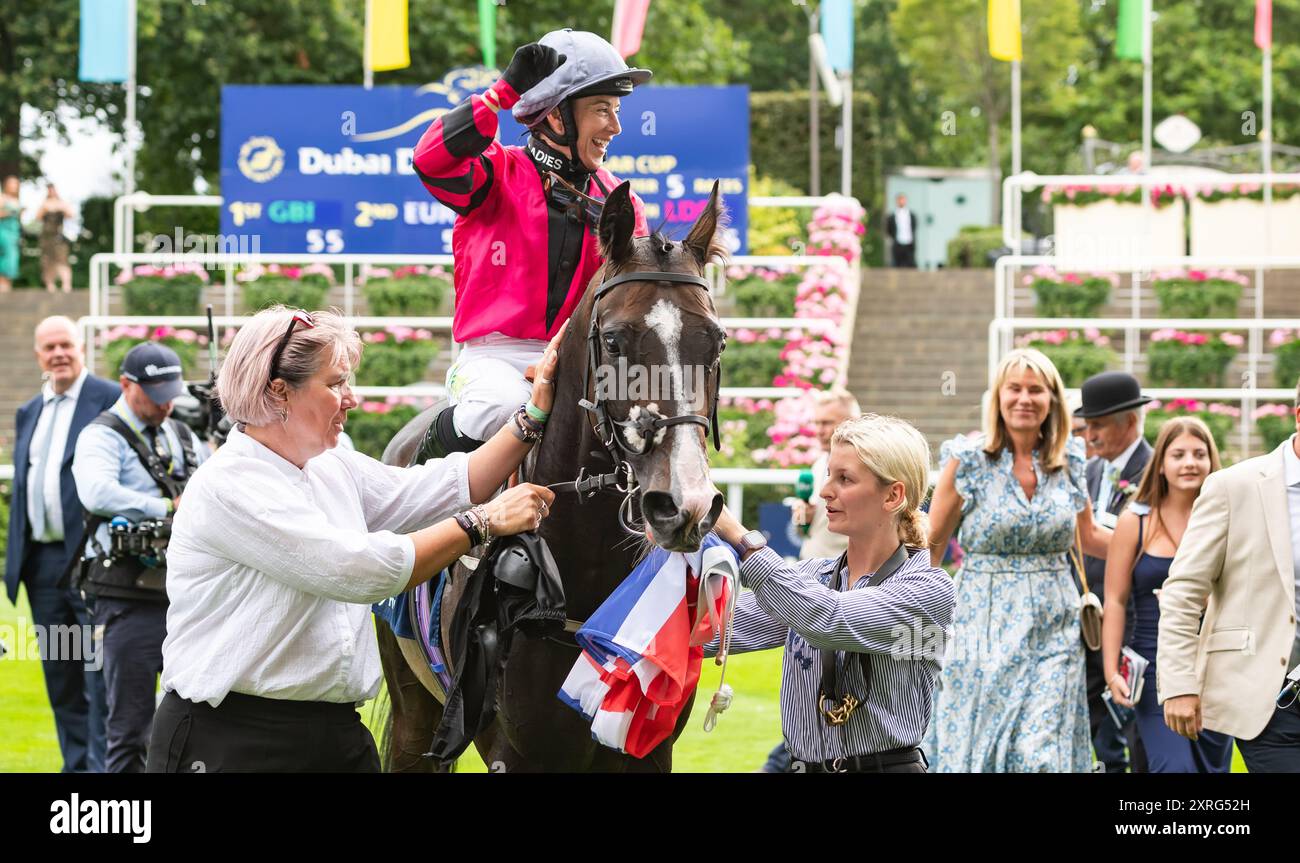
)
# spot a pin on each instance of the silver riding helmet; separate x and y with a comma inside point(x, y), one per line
point(592, 67)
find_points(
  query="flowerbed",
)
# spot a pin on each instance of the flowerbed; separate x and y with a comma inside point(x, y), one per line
point(1077, 355)
point(175, 289)
point(1198, 293)
point(396, 356)
point(372, 424)
point(1070, 295)
point(1286, 357)
point(406, 291)
point(763, 291)
point(295, 287)
point(1275, 423)
point(1176, 358)
point(118, 340)
point(1221, 418)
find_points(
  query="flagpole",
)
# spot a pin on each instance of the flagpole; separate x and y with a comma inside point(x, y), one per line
point(1146, 86)
point(129, 132)
point(369, 78)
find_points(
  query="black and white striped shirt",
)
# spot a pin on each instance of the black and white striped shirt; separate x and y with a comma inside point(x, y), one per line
point(901, 624)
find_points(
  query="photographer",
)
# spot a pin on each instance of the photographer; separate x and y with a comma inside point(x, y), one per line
point(131, 464)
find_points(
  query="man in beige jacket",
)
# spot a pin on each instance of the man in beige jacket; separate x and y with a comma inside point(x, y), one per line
point(1241, 552)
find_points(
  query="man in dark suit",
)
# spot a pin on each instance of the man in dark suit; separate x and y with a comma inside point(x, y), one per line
point(901, 227)
point(1112, 407)
point(45, 528)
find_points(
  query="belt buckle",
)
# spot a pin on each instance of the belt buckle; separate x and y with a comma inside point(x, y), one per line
point(837, 766)
point(839, 713)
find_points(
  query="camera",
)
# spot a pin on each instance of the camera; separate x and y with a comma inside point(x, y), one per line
point(201, 411)
point(146, 540)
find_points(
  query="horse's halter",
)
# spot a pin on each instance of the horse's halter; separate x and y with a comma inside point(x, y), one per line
point(646, 425)
point(623, 479)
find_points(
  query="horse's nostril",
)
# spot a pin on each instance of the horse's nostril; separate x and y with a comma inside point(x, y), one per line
point(659, 507)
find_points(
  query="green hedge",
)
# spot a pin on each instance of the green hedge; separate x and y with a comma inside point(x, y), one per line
point(1078, 360)
point(755, 364)
point(1186, 298)
point(1286, 365)
point(758, 297)
point(971, 247)
point(1274, 430)
point(1173, 364)
point(115, 350)
point(395, 364)
point(307, 292)
point(1071, 300)
point(409, 296)
point(371, 432)
point(147, 296)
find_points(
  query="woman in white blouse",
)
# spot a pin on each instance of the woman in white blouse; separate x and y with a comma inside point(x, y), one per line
point(284, 540)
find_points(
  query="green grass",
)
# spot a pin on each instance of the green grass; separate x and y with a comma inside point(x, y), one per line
point(739, 744)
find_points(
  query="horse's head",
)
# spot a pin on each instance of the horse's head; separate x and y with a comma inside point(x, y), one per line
point(654, 344)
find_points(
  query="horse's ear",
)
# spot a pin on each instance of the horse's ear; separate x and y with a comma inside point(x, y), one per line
point(617, 223)
point(706, 237)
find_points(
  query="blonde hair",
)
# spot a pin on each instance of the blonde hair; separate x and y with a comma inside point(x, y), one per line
point(1055, 430)
point(244, 384)
point(839, 396)
point(894, 451)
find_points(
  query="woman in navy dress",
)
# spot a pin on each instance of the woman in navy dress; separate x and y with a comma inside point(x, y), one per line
point(1150, 531)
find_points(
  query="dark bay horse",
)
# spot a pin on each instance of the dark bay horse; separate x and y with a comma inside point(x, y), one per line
point(647, 375)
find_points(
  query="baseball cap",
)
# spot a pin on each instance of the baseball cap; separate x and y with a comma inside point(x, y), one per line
point(157, 369)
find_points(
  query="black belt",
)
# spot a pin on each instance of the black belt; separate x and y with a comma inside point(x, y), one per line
point(874, 763)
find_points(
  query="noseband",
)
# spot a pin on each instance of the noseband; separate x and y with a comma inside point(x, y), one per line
point(646, 426)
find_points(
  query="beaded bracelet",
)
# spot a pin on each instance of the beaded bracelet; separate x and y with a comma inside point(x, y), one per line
point(525, 429)
point(485, 522)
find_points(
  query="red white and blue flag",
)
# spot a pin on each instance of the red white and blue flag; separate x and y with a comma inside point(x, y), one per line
point(642, 649)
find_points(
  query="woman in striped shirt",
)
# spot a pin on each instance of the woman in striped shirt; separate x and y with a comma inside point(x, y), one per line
point(864, 632)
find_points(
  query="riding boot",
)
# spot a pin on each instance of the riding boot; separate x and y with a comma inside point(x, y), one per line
point(441, 438)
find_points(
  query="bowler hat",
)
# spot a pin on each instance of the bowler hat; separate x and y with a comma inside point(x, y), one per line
point(1109, 393)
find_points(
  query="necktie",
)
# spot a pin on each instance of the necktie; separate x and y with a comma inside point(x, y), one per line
point(40, 455)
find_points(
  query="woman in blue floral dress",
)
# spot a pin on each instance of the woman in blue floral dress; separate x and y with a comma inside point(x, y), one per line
point(1011, 698)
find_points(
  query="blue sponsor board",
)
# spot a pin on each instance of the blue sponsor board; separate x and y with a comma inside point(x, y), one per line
point(329, 169)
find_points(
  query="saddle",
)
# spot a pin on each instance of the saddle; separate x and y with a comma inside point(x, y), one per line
point(515, 588)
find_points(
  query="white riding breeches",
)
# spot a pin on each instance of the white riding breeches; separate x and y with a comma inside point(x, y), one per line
point(487, 383)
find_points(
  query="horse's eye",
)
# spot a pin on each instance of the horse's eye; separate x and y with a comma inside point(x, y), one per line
point(611, 344)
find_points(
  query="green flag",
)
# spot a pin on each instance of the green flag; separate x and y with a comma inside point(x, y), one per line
point(487, 32)
point(1128, 44)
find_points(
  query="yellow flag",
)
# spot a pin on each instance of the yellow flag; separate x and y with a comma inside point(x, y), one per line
point(387, 35)
point(1004, 29)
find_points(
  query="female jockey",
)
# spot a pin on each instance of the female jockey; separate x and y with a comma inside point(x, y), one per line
point(525, 246)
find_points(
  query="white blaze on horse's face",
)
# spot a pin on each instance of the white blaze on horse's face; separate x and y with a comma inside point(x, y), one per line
point(690, 467)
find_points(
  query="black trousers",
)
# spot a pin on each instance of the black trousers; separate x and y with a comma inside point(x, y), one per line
point(905, 256)
point(1277, 748)
point(132, 637)
point(248, 734)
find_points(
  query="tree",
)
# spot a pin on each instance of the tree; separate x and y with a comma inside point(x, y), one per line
point(945, 44)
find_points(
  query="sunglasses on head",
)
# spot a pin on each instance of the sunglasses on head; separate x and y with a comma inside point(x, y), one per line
point(299, 317)
point(567, 196)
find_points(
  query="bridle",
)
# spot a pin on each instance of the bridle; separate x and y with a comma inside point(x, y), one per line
point(646, 426)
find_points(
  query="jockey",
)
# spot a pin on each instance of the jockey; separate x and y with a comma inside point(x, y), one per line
point(525, 245)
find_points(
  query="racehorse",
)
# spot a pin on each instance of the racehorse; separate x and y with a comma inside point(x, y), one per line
point(646, 311)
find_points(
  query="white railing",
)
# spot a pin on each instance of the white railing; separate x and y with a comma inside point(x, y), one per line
point(1249, 396)
point(1011, 186)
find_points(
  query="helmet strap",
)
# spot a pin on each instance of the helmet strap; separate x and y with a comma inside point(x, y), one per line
point(570, 167)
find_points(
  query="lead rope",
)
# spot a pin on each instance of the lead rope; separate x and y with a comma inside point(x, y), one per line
point(722, 697)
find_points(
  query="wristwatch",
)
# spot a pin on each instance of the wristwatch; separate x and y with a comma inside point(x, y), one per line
point(752, 541)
